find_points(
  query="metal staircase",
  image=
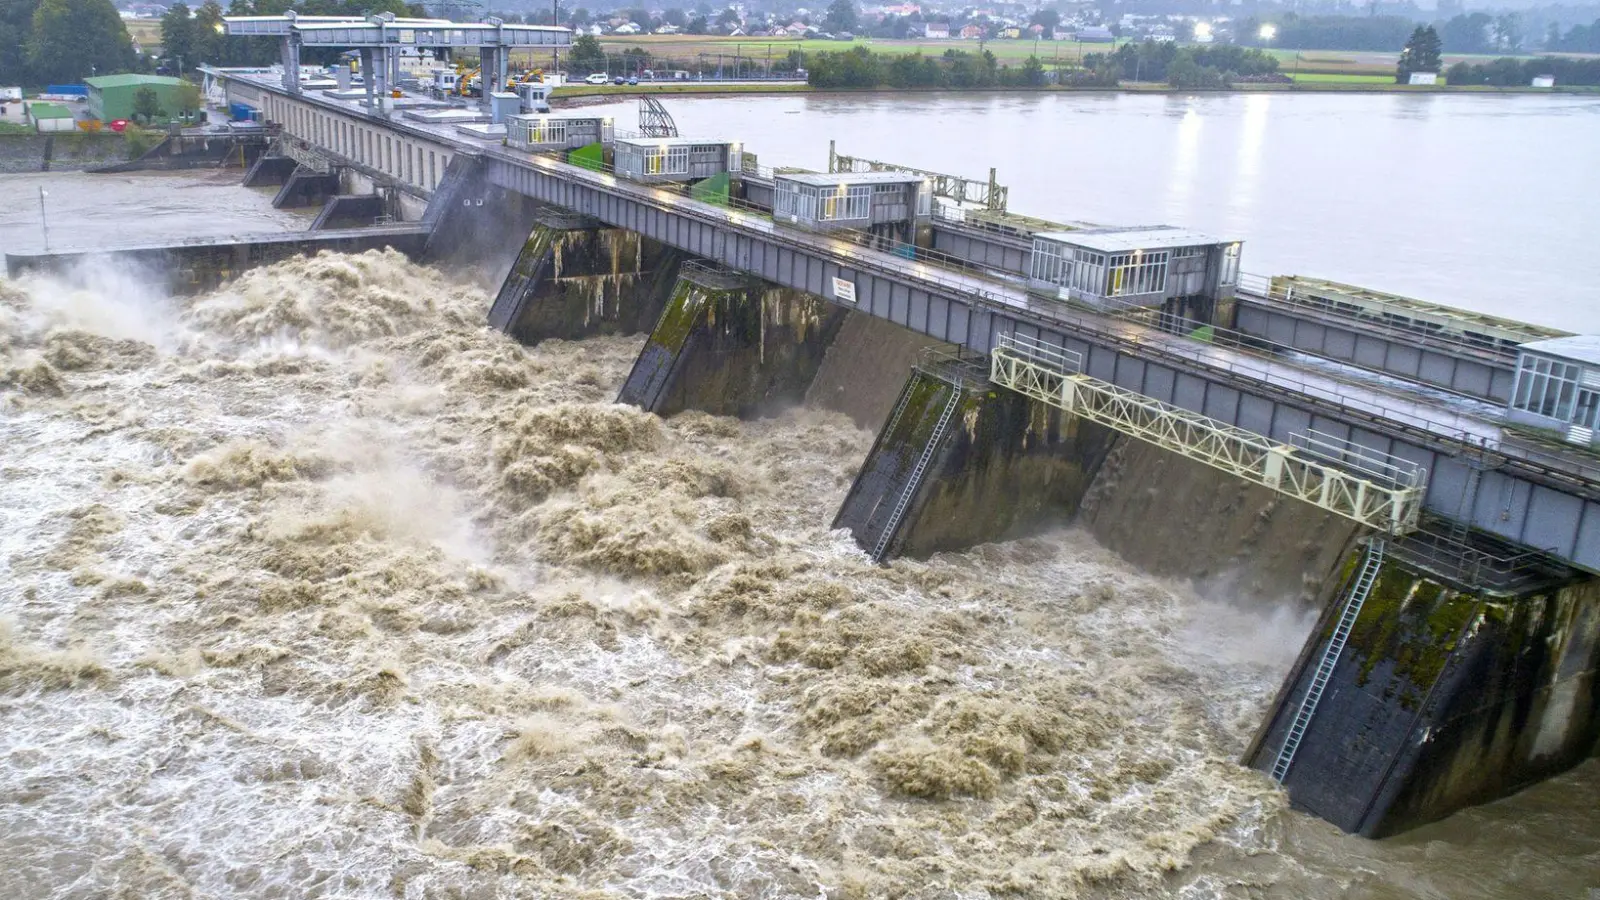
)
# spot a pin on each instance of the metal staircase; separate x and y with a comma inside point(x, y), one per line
point(1365, 579)
point(915, 478)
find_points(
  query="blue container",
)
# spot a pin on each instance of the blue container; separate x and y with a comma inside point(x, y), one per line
point(79, 89)
point(240, 112)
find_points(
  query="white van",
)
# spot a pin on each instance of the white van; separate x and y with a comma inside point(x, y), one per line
point(597, 78)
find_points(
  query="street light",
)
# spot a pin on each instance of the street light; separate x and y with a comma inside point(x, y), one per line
point(1267, 32)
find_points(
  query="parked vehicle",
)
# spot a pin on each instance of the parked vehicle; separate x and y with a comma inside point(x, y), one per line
point(619, 80)
point(596, 78)
point(633, 79)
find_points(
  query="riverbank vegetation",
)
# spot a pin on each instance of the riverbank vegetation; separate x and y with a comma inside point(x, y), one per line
point(1508, 72)
point(1182, 67)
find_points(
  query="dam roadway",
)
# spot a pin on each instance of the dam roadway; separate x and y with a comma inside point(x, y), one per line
point(1536, 495)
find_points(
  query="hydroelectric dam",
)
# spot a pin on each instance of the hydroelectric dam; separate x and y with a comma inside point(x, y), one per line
point(1426, 477)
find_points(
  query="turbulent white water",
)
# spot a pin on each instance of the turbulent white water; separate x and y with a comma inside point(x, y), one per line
point(314, 586)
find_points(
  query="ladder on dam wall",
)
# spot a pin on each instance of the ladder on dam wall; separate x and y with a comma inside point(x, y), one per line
point(1365, 579)
point(915, 478)
point(1378, 491)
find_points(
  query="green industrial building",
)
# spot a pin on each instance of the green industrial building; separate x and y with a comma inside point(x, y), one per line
point(111, 97)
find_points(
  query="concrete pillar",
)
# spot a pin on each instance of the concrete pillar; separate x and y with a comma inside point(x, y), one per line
point(473, 222)
point(489, 66)
point(573, 281)
point(367, 80)
point(289, 50)
point(393, 54)
point(269, 170)
point(1449, 692)
point(305, 187)
point(729, 346)
point(380, 80)
point(1000, 466)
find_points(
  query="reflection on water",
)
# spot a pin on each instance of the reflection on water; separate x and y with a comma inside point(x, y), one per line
point(1470, 201)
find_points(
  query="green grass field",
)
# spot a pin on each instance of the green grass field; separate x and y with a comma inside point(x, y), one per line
point(1329, 78)
point(146, 31)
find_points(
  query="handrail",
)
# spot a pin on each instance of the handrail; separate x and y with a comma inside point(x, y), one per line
point(1259, 287)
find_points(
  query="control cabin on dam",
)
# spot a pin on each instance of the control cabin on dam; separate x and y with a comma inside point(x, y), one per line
point(677, 159)
point(1134, 267)
point(1558, 387)
point(548, 133)
point(892, 203)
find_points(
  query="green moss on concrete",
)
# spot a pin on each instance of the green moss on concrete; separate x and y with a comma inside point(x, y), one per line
point(1008, 465)
point(1412, 622)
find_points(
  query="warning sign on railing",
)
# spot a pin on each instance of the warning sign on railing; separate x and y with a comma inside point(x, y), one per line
point(844, 291)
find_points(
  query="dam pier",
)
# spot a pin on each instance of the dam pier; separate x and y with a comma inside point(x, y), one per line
point(1427, 478)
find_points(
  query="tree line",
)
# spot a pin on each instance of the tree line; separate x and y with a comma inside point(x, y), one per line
point(859, 67)
point(1507, 72)
point(62, 41)
point(1214, 66)
point(1208, 66)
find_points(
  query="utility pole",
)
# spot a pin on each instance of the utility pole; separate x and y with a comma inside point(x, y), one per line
point(555, 19)
point(44, 224)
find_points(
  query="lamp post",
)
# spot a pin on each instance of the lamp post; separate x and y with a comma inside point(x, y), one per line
point(44, 223)
point(555, 21)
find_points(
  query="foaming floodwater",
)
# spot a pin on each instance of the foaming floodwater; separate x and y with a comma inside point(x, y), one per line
point(319, 588)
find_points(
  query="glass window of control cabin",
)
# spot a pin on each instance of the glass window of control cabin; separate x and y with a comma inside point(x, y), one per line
point(1137, 273)
point(1587, 412)
point(786, 201)
point(1230, 265)
point(678, 160)
point(858, 202)
point(1546, 387)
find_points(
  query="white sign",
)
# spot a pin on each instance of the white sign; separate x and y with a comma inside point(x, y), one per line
point(844, 291)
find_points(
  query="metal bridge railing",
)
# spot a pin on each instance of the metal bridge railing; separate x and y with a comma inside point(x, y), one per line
point(960, 368)
point(1384, 494)
point(1473, 566)
point(1259, 287)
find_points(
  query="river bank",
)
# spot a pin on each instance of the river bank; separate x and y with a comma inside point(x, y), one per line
point(563, 96)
